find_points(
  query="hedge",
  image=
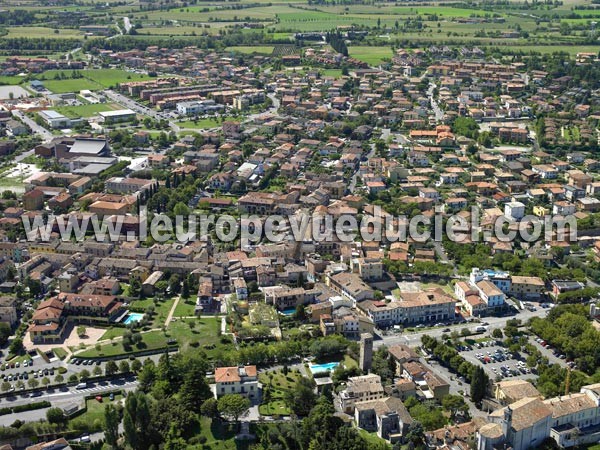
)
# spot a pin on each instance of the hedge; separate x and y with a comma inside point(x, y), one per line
point(27, 407)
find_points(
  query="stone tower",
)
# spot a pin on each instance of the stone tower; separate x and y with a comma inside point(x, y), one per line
point(366, 352)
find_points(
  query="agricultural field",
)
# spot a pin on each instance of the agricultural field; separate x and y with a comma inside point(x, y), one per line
point(43, 32)
point(4, 80)
point(371, 55)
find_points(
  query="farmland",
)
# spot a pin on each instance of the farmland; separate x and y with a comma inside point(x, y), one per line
point(43, 32)
point(60, 81)
point(371, 55)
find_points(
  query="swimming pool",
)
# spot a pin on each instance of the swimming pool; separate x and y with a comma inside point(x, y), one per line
point(319, 368)
point(132, 318)
point(289, 312)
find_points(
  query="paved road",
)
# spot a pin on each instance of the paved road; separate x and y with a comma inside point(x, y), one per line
point(44, 134)
point(439, 114)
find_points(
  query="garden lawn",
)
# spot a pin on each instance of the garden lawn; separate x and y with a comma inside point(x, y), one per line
point(59, 352)
point(204, 335)
point(151, 340)
point(372, 439)
point(185, 308)
point(219, 435)
point(278, 385)
point(95, 410)
point(112, 333)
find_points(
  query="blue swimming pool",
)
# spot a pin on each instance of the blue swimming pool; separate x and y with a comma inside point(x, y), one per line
point(289, 312)
point(319, 368)
point(132, 318)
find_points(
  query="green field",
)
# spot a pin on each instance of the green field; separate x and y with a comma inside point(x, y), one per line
point(71, 85)
point(86, 110)
point(335, 73)
point(93, 79)
point(370, 55)
point(10, 80)
point(199, 124)
point(43, 32)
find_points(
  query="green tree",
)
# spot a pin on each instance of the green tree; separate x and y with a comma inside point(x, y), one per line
point(111, 425)
point(479, 382)
point(233, 406)
point(124, 367)
point(301, 397)
point(111, 368)
point(137, 421)
point(209, 408)
point(56, 416)
point(4, 332)
point(16, 346)
point(136, 365)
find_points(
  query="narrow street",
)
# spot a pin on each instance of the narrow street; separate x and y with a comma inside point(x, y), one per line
point(439, 114)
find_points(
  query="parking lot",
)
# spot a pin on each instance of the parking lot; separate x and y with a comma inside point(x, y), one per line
point(497, 361)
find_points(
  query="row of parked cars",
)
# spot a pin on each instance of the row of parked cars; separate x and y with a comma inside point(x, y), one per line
point(85, 362)
point(25, 375)
point(16, 365)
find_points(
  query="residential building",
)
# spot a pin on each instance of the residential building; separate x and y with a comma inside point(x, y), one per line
point(360, 389)
point(388, 417)
point(242, 380)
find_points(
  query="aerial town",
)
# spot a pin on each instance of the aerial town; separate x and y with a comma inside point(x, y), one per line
point(299, 225)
